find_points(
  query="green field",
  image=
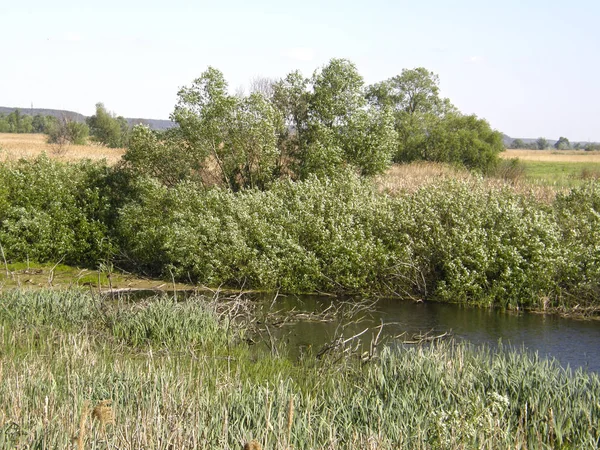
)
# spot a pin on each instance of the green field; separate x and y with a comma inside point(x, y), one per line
point(561, 173)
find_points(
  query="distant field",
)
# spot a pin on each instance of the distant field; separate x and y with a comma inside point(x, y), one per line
point(552, 155)
point(563, 169)
point(17, 146)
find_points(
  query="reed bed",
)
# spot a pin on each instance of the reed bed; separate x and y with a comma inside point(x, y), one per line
point(69, 380)
point(15, 146)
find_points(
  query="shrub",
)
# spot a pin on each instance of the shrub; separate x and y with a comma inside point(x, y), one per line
point(479, 245)
point(52, 212)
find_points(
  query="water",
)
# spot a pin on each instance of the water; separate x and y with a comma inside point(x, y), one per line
point(574, 343)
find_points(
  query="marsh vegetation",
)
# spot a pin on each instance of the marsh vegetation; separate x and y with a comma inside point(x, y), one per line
point(81, 372)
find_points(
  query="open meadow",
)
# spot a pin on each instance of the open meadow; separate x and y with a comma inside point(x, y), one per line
point(557, 168)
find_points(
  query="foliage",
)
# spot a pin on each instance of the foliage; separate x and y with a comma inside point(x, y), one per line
point(16, 122)
point(562, 144)
point(578, 213)
point(237, 135)
point(429, 127)
point(542, 143)
point(517, 144)
point(463, 140)
point(52, 211)
point(163, 156)
point(64, 131)
point(107, 129)
point(483, 246)
point(592, 146)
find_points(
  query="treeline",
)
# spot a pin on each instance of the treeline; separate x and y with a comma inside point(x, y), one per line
point(562, 144)
point(298, 126)
point(102, 127)
point(17, 122)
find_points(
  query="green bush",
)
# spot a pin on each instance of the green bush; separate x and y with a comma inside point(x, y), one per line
point(51, 211)
point(578, 214)
point(474, 244)
point(314, 235)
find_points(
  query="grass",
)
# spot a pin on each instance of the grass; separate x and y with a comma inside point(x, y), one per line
point(561, 174)
point(31, 275)
point(557, 169)
point(564, 156)
point(15, 146)
point(182, 377)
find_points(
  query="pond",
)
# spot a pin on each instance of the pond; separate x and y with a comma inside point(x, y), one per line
point(574, 343)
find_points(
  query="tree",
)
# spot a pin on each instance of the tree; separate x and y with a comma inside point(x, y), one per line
point(562, 144)
point(160, 155)
point(463, 139)
point(417, 106)
point(517, 143)
point(107, 129)
point(238, 135)
point(429, 127)
point(340, 127)
point(64, 131)
point(542, 143)
point(262, 85)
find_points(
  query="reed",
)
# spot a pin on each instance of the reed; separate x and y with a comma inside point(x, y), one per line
point(170, 394)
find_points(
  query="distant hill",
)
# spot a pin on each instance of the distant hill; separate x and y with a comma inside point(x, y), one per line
point(155, 124)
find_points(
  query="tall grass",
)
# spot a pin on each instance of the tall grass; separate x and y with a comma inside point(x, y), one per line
point(165, 393)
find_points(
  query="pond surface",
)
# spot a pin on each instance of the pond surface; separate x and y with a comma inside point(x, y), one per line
point(574, 343)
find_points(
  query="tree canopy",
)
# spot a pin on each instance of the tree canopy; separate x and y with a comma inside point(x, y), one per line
point(108, 129)
point(300, 126)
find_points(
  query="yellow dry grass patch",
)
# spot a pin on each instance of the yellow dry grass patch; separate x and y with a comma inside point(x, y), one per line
point(27, 146)
point(552, 155)
point(410, 177)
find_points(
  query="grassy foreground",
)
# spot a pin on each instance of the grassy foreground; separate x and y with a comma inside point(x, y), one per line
point(80, 372)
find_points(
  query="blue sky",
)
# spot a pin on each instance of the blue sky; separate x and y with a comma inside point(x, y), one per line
point(529, 67)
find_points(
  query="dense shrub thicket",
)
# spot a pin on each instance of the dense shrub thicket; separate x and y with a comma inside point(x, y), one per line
point(457, 241)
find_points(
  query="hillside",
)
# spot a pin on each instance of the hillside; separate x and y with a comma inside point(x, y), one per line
point(155, 124)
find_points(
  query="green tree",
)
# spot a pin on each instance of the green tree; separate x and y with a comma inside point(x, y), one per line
point(463, 139)
point(517, 143)
point(107, 129)
point(163, 156)
point(341, 128)
point(542, 143)
point(417, 106)
point(562, 144)
point(18, 122)
point(65, 131)
point(238, 135)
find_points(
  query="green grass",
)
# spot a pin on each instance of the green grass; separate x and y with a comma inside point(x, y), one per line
point(561, 174)
point(181, 376)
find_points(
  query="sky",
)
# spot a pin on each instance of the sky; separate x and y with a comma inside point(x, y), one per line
point(530, 67)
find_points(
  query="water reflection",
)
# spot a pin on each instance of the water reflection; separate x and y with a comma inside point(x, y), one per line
point(572, 342)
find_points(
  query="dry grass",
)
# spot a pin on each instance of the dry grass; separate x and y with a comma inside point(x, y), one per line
point(552, 155)
point(411, 177)
point(17, 146)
